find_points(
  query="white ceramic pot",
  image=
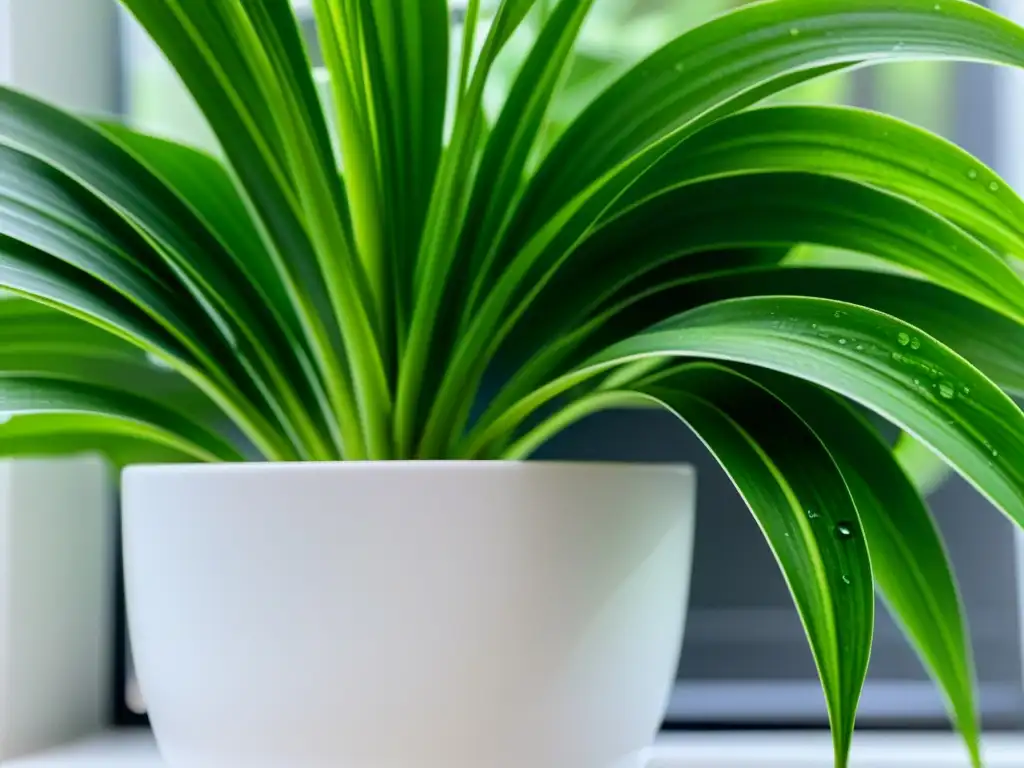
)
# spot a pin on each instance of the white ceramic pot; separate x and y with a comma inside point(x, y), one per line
point(407, 614)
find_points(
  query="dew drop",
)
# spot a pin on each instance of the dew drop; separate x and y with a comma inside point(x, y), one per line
point(903, 339)
point(967, 391)
point(679, 67)
point(972, 174)
point(946, 390)
point(860, 347)
point(897, 357)
point(915, 343)
point(794, 32)
point(995, 453)
point(842, 341)
point(812, 515)
point(838, 313)
point(844, 530)
point(846, 579)
point(993, 186)
point(917, 382)
point(937, 7)
point(814, 326)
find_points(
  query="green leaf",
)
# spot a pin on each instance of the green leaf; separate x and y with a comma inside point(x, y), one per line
point(188, 210)
point(988, 339)
point(499, 176)
point(120, 411)
point(200, 222)
point(855, 144)
point(705, 74)
point(247, 69)
point(495, 185)
point(199, 198)
point(784, 207)
point(908, 558)
point(120, 442)
point(710, 69)
point(66, 246)
point(414, 44)
point(450, 204)
point(388, 72)
point(927, 389)
point(745, 211)
point(36, 339)
point(579, 325)
point(798, 496)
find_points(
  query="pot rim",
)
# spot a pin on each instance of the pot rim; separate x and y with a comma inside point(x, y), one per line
point(402, 466)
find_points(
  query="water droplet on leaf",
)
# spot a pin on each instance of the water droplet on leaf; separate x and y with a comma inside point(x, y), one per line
point(844, 530)
point(846, 579)
point(793, 31)
point(993, 187)
point(903, 339)
point(842, 341)
point(915, 343)
point(812, 515)
point(972, 174)
point(946, 390)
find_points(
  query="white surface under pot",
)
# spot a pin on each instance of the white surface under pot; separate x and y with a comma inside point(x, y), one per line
point(407, 614)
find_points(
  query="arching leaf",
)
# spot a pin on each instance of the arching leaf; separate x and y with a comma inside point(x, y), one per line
point(800, 500)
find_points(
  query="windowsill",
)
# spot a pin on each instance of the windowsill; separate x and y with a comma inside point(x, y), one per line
point(721, 749)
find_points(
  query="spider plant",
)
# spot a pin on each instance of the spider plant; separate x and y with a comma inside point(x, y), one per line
point(343, 285)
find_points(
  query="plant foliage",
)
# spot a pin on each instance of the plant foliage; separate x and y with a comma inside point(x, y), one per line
point(343, 280)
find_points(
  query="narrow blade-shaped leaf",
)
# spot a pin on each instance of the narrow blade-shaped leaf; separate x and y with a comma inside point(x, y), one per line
point(908, 558)
point(855, 144)
point(990, 340)
point(55, 230)
point(751, 210)
point(38, 394)
point(500, 173)
point(251, 296)
point(256, 90)
point(923, 387)
point(703, 70)
point(119, 441)
point(799, 498)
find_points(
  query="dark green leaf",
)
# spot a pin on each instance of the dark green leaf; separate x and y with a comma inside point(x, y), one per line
point(795, 490)
point(855, 144)
point(755, 210)
point(705, 69)
point(908, 558)
point(136, 416)
point(923, 387)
